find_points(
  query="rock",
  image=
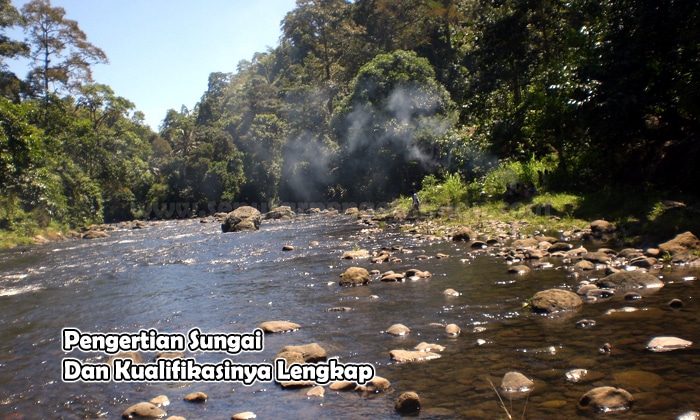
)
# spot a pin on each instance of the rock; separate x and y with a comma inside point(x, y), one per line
point(196, 397)
point(629, 280)
point(638, 380)
point(246, 415)
point(584, 265)
point(451, 292)
point(94, 234)
point(352, 210)
point(597, 257)
point(169, 355)
point(555, 300)
point(317, 391)
point(643, 262)
point(144, 410)
point(519, 269)
point(278, 326)
point(526, 243)
point(291, 357)
point(282, 212)
point(441, 256)
point(407, 403)
point(175, 418)
point(632, 296)
point(689, 415)
point(160, 401)
point(664, 344)
point(606, 399)
point(288, 248)
point(244, 218)
point(391, 276)
point(135, 357)
point(464, 234)
point(675, 303)
point(311, 353)
point(681, 247)
point(516, 382)
point(600, 227)
point(398, 330)
point(354, 276)
point(413, 272)
point(342, 386)
point(407, 356)
point(560, 246)
point(377, 384)
point(452, 330)
point(576, 375)
point(428, 347)
point(355, 255)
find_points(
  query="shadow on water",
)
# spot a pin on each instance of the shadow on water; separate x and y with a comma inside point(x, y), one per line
point(175, 276)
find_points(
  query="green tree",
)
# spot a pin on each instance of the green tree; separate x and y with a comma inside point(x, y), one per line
point(389, 126)
point(60, 52)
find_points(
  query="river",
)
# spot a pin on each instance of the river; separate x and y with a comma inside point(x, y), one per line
point(174, 276)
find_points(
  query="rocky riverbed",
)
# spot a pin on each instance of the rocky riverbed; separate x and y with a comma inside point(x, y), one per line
point(458, 322)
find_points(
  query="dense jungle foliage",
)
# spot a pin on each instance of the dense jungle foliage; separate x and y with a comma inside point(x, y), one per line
point(360, 101)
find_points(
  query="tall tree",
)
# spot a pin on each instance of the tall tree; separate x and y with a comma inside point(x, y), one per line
point(60, 51)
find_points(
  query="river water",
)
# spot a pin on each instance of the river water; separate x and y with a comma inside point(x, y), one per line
point(177, 275)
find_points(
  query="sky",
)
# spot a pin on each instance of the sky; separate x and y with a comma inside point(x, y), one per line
point(161, 52)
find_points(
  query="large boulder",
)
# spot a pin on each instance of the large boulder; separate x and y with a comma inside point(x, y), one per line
point(244, 218)
point(682, 246)
point(555, 300)
point(630, 280)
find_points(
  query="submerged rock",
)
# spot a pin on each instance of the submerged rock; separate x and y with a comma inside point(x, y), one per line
point(555, 300)
point(407, 356)
point(246, 415)
point(516, 383)
point(606, 399)
point(144, 410)
point(407, 403)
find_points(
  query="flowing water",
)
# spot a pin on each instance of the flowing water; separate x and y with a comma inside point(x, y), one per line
point(177, 275)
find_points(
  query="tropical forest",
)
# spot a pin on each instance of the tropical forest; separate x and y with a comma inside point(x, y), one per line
point(592, 105)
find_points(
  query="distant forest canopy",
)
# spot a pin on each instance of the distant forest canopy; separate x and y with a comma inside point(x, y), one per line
point(359, 101)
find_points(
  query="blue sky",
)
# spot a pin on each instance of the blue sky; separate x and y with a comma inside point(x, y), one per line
point(161, 52)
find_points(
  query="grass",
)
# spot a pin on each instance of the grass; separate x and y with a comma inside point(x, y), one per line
point(25, 235)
